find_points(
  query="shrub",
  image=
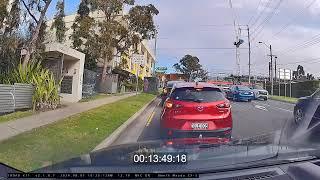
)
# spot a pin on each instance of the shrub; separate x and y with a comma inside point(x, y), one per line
point(46, 95)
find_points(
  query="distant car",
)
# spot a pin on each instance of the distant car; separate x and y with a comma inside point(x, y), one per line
point(240, 93)
point(259, 92)
point(196, 110)
point(167, 89)
point(225, 89)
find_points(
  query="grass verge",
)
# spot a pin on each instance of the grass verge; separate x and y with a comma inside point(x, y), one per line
point(94, 97)
point(15, 115)
point(284, 99)
point(70, 137)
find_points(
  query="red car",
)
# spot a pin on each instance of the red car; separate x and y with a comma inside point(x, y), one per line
point(196, 110)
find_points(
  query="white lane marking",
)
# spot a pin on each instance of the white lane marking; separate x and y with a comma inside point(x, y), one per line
point(261, 107)
point(275, 107)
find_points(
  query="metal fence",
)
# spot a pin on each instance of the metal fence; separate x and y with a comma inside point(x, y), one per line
point(294, 89)
point(89, 83)
point(14, 97)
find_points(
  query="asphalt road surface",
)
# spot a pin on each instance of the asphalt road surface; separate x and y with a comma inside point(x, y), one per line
point(249, 119)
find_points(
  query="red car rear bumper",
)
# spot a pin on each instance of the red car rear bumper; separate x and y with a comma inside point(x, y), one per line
point(217, 124)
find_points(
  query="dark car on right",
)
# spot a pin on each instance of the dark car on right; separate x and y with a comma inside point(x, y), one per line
point(308, 109)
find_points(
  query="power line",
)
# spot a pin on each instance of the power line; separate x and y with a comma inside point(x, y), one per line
point(216, 25)
point(310, 42)
point(266, 21)
point(207, 48)
point(309, 61)
point(292, 20)
point(260, 14)
point(255, 13)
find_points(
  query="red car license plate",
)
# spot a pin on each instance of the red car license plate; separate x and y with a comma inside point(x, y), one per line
point(197, 126)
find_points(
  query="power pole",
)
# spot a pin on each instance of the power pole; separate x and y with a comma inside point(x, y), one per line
point(275, 69)
point(249, 44)
point(271, 65)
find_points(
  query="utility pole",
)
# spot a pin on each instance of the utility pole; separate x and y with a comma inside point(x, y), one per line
point(249, 44)
point(275, 68)
point(271, 64)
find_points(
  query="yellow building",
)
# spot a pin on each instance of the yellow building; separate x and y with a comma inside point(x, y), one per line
point(144, 71)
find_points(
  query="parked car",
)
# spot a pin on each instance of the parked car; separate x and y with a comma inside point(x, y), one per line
point(196, 110)
point(167, 89)
point(240, 93)
point(259, 92)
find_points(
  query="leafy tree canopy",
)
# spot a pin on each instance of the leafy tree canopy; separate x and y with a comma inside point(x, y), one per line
point(191, 67)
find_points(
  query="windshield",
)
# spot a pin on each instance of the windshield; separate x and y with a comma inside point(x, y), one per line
point(198, 95)
point(242, 88)
point(205, 77)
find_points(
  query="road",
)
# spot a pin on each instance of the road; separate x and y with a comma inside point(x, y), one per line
point(249, 119)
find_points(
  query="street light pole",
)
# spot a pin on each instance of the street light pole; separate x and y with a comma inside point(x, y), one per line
point(271, 65)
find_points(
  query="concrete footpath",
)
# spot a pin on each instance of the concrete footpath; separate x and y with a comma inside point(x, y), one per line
point(13, 128)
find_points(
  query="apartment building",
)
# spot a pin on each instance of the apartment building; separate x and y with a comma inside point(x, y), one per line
point(146, 70)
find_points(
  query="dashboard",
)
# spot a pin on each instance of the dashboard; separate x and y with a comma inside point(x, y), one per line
point(309, 170)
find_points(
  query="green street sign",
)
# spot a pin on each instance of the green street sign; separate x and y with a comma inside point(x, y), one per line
point(161, 68)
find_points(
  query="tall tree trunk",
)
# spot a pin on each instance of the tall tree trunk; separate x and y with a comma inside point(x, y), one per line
point(35, 35)
point(104, 70)
point(102, 83)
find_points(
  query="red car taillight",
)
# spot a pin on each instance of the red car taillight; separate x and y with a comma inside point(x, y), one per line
point(225, 105)
point(169, 104)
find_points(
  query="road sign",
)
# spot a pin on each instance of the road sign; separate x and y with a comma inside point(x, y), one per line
point(138, 59)
point(162, 68)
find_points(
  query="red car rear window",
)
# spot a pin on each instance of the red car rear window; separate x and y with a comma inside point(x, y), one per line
point(197, 95)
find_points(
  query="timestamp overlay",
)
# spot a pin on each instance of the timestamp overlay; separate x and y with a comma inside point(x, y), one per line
point(160, 158)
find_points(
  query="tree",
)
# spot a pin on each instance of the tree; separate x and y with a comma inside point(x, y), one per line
point(11, 41)
point(82, 26)
point(59, 23)
point(202, 74)
point(31, 6)
point(117, 33)
point(3, 12)
point(189, 65)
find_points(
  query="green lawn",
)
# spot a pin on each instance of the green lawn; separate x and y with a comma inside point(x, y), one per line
point(94, 97)
point(284, 99)
point(15, 115)
point(68, 138)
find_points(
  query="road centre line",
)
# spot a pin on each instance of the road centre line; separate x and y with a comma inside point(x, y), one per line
point(150, 119)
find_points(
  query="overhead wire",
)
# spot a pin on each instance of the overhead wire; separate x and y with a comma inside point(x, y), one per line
point(261, 13)
point(307, 43)
point(255, 13)
point(267, 19)
point(292, 20)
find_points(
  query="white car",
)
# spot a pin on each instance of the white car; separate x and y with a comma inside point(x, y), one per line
point(259, 92)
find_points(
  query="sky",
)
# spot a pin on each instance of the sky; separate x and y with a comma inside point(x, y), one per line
point(204, 28)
